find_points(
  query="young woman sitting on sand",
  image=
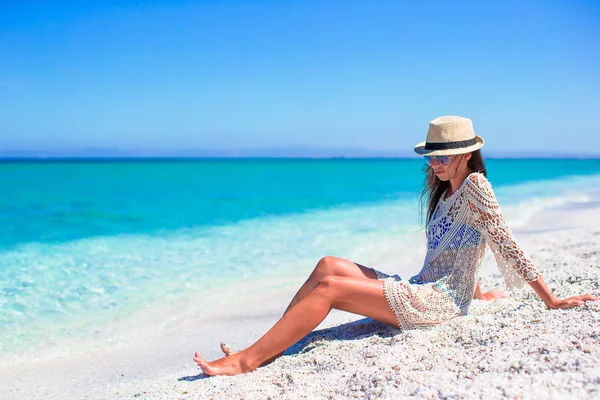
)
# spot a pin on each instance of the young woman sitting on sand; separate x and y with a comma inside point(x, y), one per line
point(462, 217)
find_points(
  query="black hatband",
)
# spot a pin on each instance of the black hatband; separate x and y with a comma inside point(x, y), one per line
point(450, 145)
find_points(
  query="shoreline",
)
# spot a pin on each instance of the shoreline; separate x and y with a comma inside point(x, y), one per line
point(125, 370)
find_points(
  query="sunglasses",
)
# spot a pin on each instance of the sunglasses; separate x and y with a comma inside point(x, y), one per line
point(444, 161)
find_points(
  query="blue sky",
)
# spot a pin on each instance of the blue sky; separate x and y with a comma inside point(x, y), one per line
point(173, 75)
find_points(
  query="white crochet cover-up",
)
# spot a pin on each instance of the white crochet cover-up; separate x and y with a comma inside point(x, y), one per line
point(457, 234)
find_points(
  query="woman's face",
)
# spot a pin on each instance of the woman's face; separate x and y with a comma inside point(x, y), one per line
point(449, 171)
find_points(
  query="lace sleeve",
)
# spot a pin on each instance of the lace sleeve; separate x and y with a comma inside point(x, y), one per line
point(516, 267)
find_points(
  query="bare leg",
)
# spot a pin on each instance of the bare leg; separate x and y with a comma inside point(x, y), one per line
point(359, 296)
point(327, 266)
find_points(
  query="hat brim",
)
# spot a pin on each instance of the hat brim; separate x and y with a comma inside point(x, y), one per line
point(420, 149)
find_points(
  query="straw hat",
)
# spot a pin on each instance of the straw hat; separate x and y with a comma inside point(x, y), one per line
point(448, 136)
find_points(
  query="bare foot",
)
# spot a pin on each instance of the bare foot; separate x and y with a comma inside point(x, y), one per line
point(226, 349)
point(229, 365)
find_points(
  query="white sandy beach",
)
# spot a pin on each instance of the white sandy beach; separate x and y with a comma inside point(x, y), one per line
point(512, 348)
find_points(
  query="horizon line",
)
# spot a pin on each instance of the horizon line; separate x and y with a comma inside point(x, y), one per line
point(5, 159)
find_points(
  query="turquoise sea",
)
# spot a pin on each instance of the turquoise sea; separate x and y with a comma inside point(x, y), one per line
point(86, 243)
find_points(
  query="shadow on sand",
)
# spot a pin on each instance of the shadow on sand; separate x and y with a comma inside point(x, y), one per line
point(354, 330)
point(193, 378)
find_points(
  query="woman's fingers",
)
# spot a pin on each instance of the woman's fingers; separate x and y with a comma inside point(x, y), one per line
point(589, 297)
point(586, 297)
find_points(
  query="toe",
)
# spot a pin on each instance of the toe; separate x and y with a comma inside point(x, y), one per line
point(198, 358)
point(226, 349)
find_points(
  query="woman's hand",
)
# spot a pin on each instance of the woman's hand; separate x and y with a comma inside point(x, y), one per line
point(571, 301)
point(489, 296)
point(492, 296)
point(552, 302)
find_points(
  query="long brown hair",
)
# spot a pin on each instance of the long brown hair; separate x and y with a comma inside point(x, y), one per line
point(434, 187)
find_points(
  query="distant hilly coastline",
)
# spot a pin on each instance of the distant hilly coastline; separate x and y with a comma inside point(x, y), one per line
point(266, 152)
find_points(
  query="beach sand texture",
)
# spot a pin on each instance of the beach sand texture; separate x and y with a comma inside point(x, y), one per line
point(511, 348)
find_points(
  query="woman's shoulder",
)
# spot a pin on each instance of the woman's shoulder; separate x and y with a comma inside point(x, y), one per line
point(477, 183)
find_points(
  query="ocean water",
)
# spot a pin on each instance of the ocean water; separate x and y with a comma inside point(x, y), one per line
point(87, 243)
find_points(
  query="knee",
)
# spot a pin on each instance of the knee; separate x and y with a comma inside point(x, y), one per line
point(326, 266)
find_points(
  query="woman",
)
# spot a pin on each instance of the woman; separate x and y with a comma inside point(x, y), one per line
point(462, 216)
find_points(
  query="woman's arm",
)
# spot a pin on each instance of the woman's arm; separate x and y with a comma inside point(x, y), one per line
point(539, 286)
point(509, 255)
point(516, 267)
